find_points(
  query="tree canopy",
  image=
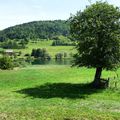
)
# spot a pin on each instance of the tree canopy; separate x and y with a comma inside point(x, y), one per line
point(97, 30)
point(37, 29)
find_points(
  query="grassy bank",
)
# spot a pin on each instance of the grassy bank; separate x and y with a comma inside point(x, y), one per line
point(54, 92)
point(52, 50)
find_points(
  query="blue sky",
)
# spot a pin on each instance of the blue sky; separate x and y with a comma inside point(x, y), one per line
point(14, 12)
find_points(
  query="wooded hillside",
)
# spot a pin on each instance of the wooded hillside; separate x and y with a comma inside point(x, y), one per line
point(36, 29)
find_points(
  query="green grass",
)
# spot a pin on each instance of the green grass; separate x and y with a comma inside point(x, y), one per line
point(52, 50)
point(54, 92)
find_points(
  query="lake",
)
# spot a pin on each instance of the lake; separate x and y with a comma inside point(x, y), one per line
point(52, 62)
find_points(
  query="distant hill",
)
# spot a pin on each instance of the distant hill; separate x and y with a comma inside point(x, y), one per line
point(36, 29)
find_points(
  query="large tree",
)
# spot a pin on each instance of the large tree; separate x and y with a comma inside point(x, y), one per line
point(97, 30)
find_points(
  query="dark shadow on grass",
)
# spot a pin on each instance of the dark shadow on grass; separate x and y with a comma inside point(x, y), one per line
point(60, 90)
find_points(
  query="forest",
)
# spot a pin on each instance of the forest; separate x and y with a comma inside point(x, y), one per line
point(36, 30)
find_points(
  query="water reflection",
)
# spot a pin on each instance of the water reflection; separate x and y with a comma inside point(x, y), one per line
point(52, 62)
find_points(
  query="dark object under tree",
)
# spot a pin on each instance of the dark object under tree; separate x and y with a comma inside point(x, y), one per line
point(97, 30)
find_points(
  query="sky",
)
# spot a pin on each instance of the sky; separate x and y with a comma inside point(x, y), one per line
point(13, 12)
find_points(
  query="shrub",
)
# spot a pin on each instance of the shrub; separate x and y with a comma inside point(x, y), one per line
point(62, 41)
point(6, 63)
point(59, 56)
point(40, 53)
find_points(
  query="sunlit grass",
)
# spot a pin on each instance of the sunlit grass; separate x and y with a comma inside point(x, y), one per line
point(54, 92)
point(52, 50)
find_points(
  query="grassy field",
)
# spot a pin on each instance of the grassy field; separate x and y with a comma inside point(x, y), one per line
point(54, 92)
point(52, 50)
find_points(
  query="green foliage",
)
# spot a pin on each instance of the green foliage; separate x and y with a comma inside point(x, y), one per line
point(61, 55)
point(40, 53)
point(6, 63)
point(48, 45)
point(62, 41)
point(97, 30)
point(9, 44)
point(36, 30)
point(14, 44)
point(1, 50)
point(20, 62)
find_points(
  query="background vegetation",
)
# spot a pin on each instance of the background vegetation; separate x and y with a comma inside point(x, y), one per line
point(36, 30)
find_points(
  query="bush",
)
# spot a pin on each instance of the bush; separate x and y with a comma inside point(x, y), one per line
point(6, 63)
point(62, 41)
point(59, 56)
point(40, 53)
point(20, 62)
point(14, 44)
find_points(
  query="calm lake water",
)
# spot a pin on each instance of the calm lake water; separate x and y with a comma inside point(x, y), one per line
point(52, 62)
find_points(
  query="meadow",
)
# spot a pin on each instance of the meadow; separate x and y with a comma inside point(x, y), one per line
point(52, 50)
point(56, 92)
point(43, 85)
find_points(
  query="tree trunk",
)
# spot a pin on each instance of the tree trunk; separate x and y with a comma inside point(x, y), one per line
point(97, 80)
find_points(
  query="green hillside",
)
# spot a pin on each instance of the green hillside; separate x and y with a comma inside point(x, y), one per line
point(35, 30)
